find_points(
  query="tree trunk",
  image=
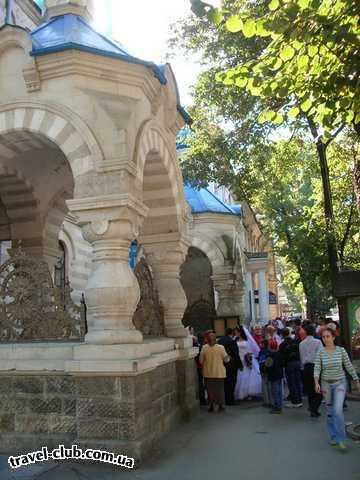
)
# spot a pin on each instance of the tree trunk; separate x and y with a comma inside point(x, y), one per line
point(357, 172)
point(328, 207)
point(310, 312)
point(357, 183)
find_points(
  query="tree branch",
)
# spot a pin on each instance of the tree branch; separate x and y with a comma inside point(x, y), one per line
point(347, 230)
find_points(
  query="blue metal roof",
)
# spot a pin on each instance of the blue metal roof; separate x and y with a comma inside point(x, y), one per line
point(236, 209)
point(70, 31)
point(202, 200)
point(182, 138)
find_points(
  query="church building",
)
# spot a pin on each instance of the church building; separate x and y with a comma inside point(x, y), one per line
point(106, 256)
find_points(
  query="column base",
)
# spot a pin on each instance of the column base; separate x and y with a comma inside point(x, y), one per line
point(113, 337)
point(177, 331)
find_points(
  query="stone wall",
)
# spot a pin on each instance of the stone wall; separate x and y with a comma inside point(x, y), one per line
point(125, 415)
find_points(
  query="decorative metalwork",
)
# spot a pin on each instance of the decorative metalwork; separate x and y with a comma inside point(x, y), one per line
point(149, 315)
point(31, 307)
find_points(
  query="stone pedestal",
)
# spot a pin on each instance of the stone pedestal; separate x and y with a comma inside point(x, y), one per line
point(118, 413)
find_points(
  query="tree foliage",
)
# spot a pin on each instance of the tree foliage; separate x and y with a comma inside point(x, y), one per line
point(243, 104)
point(310, 65)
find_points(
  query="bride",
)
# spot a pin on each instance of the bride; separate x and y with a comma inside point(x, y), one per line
point(248, 382)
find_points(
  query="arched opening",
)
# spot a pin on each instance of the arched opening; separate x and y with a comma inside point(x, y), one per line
point(195, 277)
point(161, 236)
point(35, 181)
point(158, 196)
point(33, 171)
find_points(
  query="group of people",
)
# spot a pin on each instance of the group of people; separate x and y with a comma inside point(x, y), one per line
point(304, 356)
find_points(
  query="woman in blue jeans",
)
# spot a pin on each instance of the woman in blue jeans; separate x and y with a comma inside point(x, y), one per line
point(330, 364)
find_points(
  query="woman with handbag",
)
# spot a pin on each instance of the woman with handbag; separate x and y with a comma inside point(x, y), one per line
point(330, 363)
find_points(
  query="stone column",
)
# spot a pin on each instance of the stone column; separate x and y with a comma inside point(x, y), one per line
point(230, 293)
point(166, 258)
point(263, 297)
point(112, 292)
point(249, 300)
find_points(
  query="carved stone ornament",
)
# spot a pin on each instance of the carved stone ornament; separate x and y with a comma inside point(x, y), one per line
point(31, 308)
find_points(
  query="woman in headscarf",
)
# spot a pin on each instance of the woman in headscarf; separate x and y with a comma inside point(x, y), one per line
point(212, 359)
point(248, 382)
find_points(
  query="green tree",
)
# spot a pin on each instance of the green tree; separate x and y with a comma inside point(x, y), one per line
point(308, 69)
point(289, 205)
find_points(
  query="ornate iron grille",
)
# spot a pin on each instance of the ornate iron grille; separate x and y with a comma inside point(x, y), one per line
point(32, 308)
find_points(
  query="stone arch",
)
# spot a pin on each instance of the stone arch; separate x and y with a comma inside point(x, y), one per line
point(67, 239)
point(196, 279)
point(55, 123)
point(21, 205)
point(159, 176)
point(211, 250)
point(53, 221)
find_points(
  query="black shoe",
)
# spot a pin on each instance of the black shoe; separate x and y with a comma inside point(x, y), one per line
point(211, 408)
point(315, 414)
point(275, 410)
point(221, 409)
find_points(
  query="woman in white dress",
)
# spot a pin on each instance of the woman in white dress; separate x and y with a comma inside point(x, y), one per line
point(248, 382)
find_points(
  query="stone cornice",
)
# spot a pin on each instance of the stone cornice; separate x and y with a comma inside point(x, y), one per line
point(257, 264)
point(106, 202)
point(215, 218)
point(97, 67)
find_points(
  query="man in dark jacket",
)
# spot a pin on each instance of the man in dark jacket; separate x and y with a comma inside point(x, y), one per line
point(274, 369)
point(232, 367)
point(290, 354)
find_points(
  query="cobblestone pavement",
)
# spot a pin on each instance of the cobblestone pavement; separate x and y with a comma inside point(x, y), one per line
point(245, 443)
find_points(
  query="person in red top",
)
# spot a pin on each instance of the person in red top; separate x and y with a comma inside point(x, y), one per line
point(270, 335)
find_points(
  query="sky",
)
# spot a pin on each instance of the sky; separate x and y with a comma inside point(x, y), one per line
point(143, 28)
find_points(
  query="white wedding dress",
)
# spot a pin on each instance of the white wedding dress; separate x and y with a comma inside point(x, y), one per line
point(248, 382)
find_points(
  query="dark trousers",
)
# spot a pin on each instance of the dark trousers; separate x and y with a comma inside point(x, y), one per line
point(276, 394)
point(229, 385)
point(294, 381)
point(314, 398)
point(201, 387)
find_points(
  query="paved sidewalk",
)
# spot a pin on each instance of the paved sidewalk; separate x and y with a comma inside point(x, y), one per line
point(244, 443)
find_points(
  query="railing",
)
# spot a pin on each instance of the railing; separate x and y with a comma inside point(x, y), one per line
point(32, 308)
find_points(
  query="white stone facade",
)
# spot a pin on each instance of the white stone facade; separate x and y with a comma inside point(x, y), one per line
point(87, 157)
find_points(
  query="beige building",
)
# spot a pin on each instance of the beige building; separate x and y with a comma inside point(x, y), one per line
point(89, 172)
